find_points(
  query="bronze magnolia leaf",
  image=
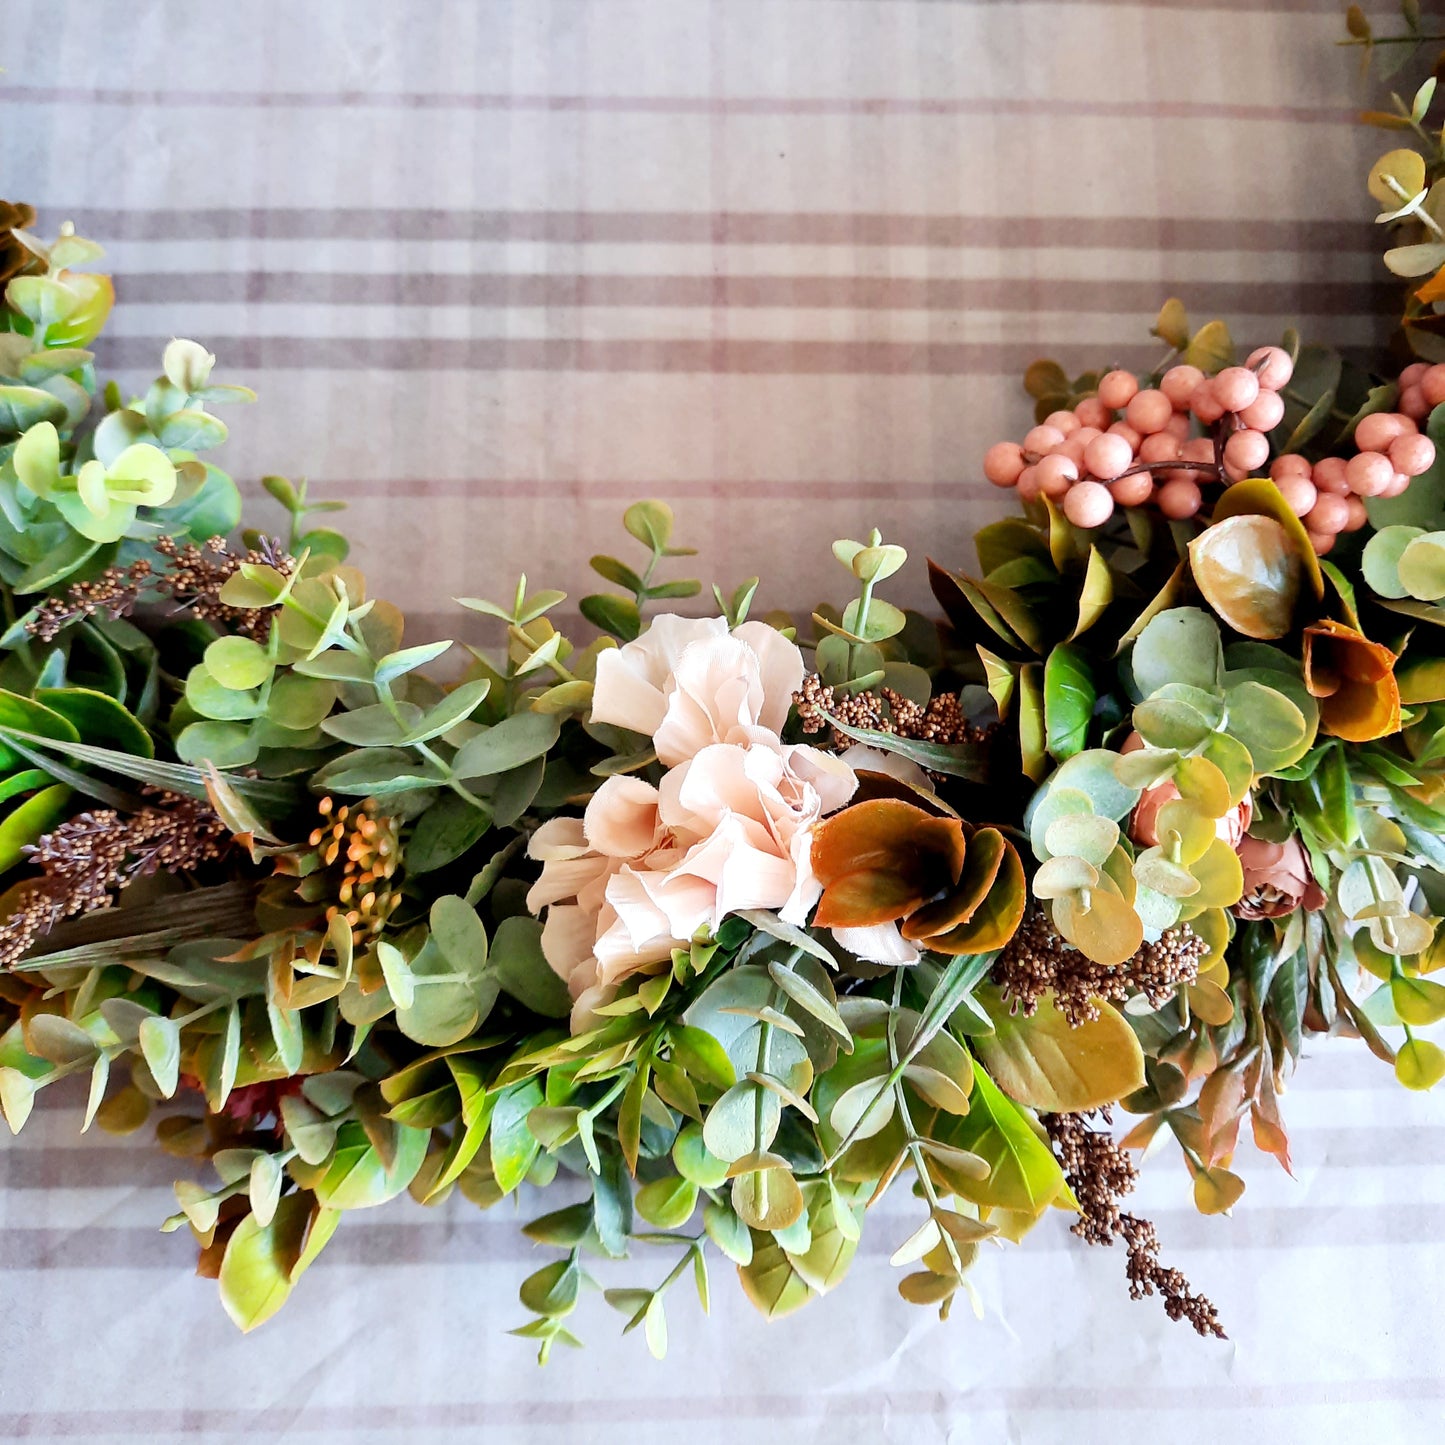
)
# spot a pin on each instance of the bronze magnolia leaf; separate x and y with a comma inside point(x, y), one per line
point(1249, 568)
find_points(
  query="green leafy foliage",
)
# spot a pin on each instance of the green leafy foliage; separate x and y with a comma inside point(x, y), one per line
point(355, 969)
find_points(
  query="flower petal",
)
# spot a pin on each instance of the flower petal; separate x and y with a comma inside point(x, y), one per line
point(622, 819)
point(882, 943)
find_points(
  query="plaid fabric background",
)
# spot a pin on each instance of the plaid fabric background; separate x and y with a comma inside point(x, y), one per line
point(498, 267)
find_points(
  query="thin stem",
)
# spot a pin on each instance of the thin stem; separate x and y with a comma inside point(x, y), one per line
point(894, 1075)
point(393, 708)
point(1171, 467)
point(765, 1039)
point(595, 1111)
point(682, 1264)
point(519, 634)
point(1355, 42)
point(920, 1165)
point(201, 1012)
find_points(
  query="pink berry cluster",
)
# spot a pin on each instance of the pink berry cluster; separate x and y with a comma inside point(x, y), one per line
point(1132, 446)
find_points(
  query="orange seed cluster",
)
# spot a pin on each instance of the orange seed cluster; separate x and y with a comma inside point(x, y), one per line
point(368, 849)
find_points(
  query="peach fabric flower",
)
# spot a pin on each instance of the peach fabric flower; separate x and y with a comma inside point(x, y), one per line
point(1144, 825)
point(647, 869)
point(574, 889)
point(728, 828)
point(1144, 821)
point(1277, 879)
point(689, 682)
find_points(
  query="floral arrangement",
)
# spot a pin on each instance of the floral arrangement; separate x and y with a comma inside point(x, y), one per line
point(724, 925)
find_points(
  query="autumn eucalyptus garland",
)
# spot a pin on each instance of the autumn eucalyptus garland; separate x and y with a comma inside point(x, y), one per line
point(729, 921)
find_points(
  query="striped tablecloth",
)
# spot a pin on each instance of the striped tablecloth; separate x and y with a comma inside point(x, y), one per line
point(498, 267)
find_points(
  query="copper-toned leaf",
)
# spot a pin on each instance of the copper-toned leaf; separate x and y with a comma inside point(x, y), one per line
point(1258, 496)
point(1221, 1106)
point(997, 918)
point(985, 853)
point(873, 785)
point(1354, 680)
point(1249, 568)
point(879, 861)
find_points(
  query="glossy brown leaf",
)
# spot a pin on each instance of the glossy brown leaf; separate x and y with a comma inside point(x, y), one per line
point(981, 863)
point(997, 918)
point(1258, 496)
point(1249, 570)
point(879, 861)
point(1354, 680)
point(872, 786)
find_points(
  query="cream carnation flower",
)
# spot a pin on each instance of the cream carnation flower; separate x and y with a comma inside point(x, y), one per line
point(648, 869)
point(688, 682)
point(729, 828)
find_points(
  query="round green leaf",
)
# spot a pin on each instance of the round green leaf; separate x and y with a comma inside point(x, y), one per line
point(667, 1203)
point(768, 1199)
point(300, 703)
point(1092, 773)
point(1398, 176)
point(552, 1291)
point(238, 662)
point(1380, 562)
point(1421, 567)
point(224, 744)
point(450, 996)
point(221, 704)
point(864, 1110)
point(1180, 645)
point(358, 1179)
point(694, 1161)
point(744, 1121)
point(1164, 723)
point(1051, 805)
point(1083, 835)
point(1420, 1064)
point(1418, 1001)
point(1270, 725)
point(521, 968)
point(1061, 876)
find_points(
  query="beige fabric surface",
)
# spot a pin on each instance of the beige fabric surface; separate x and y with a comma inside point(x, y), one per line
point(496, 268)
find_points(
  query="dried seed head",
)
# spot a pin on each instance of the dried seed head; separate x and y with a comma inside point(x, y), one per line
point(942, 720)
point(192, 581)
point(1101, 1173)
point(88, 859)
point(1036, 960)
